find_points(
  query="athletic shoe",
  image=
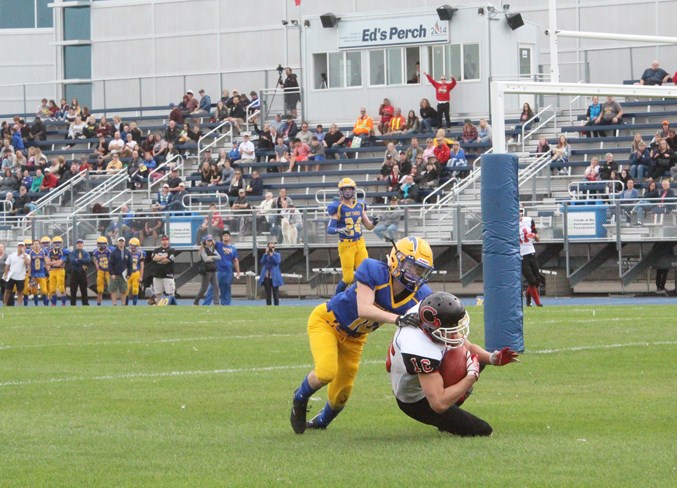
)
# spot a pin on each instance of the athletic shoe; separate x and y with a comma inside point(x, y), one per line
point(311, 424)
point(298, 415)
point(528, 297)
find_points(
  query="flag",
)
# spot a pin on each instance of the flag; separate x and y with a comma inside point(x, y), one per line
point(297, 2)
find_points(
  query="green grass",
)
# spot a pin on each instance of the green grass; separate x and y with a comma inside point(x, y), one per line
point(186, 396)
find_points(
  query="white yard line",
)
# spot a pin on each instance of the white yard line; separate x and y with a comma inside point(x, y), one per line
point(170, 374)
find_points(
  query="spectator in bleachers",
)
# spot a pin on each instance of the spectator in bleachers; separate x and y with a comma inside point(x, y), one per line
point(247, 149)
point(43, 109)
point(300, 153)
point(49, 181)
point(412, 125)
point(654, 75)
point(386, 167)
point(31, 162)
point(173, 180)
point(442, 151)
point(364, 126)
point(36, 133)
point(134, 177)
point(9, 203)
point(116, 144)
point(304, 135)
point(634, 146)
point(17, 140)
point(592, 116)
point(317, 152)
point(430, 177)
point(173, 133)
point(607, 167)
point(456, 158)
point(429, 151)
point(388, 222)
point(53, 110)
point(101, 148)
point(624, 176)
point(242, 203)
point(137, 134)
point(278, 123)
point(560, 155)
point(292, 96)
point(671, 139)
point(192, 103)
point(612, 113)
point(404, 165)
point(163, 198)
point(9, 182)
point(70, 173)
point(237, 183)
point(392, 179)
point(129, 147)
point(23, 204)
point(665, 128)
point(115, 164)
point(484, 132)
point(266, 138)
point(391, 151)
point(175, 114)
point(320, 133)
point(85, 113)
point(100, 164)
point(37, 181)
point(640, 162)
point(289, 129)
point(469, 133)
point(526, 115)
point(26, 179)
point(8, 160)
point(255, 185)
point(409, 192)
point(335, 140)
point(266, 211)
point(236, 114)
point(158, 146)
point(386, 112)
point(90, 127)
point(205, 105)
point(177, 200)
point(592, 171)
point(647, 201)
point(443, 96)
point(63, 109)
point(662, 160)
point(414, 152)
point(397, 123)
point(71, 115)
point(428, 115)
point(195, 133)
point(655, 141)
point(227, 172)
point(75, 106)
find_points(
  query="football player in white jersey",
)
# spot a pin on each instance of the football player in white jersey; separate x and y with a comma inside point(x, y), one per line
point(415, 356)
point(530, 271)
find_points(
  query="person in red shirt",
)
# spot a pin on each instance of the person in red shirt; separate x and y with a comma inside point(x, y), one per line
point(49, 181)
point(442, 152)
point(443, 95)
point(397, 123)
point(386, 111)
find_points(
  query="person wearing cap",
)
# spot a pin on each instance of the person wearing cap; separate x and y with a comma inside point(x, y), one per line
point(224, 270)
point(176, 202)
point(247, 149)
point(192, 103)
point(120, 268)
point(78, 262)
point(208, 259)
point(174, 180)
point(443, 96)
point(163, 198)
point(163, 275)
point(49, 181)
point(17, 268)
point(242, 204)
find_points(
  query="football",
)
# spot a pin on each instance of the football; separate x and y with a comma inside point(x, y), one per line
point(453, 367)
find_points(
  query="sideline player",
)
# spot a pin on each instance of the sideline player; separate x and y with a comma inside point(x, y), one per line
point(338, 328)
point(46, 245)
point(101, 258)
point(415, 355)
point(138, 258)
point(38, 276)
point(530, 271)
point(57, 270)
point(163, 278)
point(346, 218)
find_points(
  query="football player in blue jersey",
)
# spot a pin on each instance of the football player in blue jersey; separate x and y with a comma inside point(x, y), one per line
point(57, 271)
point(38, 277)
point(338, 328)
point(346, 218)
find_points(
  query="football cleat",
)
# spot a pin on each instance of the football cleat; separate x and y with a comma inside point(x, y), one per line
point(312, 424)
point(298, 415)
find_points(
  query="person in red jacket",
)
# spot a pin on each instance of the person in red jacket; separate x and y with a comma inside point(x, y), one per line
point(49, 181)
point(443, 95)
point(442, 152)
point(386, 111)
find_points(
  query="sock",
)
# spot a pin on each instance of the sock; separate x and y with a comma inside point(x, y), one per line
point(304, 392)
point(342, 285)
point(25, 301)
point(54, 299)
point(325, 417)
point(98, 304)
point(63, 300)
point(135, 299)
point(172, 300)
point(126, 300)
point(35, 299)
point(45, 300)
point(534, 295)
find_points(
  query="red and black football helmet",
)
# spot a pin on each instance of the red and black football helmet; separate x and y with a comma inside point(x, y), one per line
point(444, 319)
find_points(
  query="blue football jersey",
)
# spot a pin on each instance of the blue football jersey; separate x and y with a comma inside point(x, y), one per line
point(38, 263)
point(58, 255)
point(376, 275)
point(102, 258)
point(137, 258)
point(349, 217)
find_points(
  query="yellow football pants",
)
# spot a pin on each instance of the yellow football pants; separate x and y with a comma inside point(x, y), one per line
point(57, 281)
point(351, 254)
point(133, 283)
point(335, 354)
point(32, 290)
point(102, 279)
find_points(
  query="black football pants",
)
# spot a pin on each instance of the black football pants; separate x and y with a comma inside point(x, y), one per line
point(454, 421)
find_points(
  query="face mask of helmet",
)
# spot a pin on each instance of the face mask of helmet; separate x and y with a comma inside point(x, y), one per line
point(347, 192)
point(453, 336)
point(412, 274)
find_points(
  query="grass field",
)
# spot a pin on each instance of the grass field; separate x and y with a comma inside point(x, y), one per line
point(186, 396)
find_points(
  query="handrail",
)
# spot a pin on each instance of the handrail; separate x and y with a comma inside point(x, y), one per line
point(217, 137)
point(6, 208)
point(254, 114)
point(541, 123)
point(571, 103)
point(324, 191)
point(437, 190)
point(95, 193)
point(57, 193)
point(575, 193)
point(155, 182)
point(221, 197)
point(533, 168)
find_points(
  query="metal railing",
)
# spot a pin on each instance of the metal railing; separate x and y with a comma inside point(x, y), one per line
point(542, 122)
point(585, 190)
point(251, 116)
point(321, 195)
point(112, 184)
point(195, 202)
point(176, 161)
point(55, 197)
point(217, 134)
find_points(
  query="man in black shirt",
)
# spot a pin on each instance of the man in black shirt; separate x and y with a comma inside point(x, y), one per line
point(163, 277)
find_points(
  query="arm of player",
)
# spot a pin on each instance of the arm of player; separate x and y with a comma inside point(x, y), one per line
point(368, 223)
point(439, 397)
point(366, 308)
point(332, 228)
point(483, 356)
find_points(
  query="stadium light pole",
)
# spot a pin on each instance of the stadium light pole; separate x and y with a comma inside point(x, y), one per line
point(554, 53)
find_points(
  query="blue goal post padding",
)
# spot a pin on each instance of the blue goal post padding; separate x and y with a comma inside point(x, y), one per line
point(502, 262)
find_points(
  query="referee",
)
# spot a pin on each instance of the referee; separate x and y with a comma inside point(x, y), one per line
point(528, 235)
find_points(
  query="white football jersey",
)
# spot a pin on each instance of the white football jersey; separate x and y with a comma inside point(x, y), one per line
point(527, 226)
point(412, 352)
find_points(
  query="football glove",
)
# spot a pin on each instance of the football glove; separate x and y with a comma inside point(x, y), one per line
point(408, 320)
point(374, 219)
point(344, 231)
point(472, 365)
point(503, 357)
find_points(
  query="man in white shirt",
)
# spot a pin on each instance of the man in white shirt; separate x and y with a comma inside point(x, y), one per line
point(247, 149)
point(117, 144)
point(16, 269)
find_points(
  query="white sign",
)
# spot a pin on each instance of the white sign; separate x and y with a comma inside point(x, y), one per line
point(180, 233)
point(582, 224)
point(418, 29)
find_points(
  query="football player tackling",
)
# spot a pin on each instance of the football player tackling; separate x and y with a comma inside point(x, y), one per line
point(346, 218)
point(416, 355)
point(338, 328)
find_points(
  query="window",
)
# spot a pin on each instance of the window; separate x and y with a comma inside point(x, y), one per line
point(76, 24)
point(462, 61)
point(25, 14)
point(77, 62)
point(393, 66)
point(337, 70)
